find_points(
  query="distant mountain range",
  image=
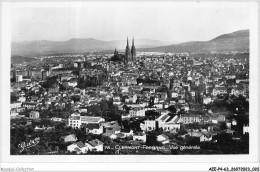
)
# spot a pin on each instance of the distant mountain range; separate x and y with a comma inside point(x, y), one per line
point(228, 42)
point(236, 41)
point(77, 45)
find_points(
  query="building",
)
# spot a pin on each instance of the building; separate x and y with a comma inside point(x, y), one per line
point(73, 82)
point(219, 90)
point(163, 138)
point(128, 53)
point(164, 122)
point(79, 148)
point(207, 100)
point(205, 137)
point(55, 88)
point(95, 145)
point(16, 105)
point(94, 128)
point(128, 134)
point(148, 125)
point(174, 94)
point(75, 120)
point(245, 129)
point(168, 123)
point(140, 137)
point(45, 74)
point(188, 119)
point(21, 99)
point(133, 51)
point(69, 138)
point(91, 119)
point(137, 112)
point(55, 119)
point(129, 56)
point(34, 114)
point(19, 78)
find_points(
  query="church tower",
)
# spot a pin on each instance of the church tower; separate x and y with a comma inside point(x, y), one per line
point(127, 52)
point(108, 73)
point(133, 51)
point(115, 52)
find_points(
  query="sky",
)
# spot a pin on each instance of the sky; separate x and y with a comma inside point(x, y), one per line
point(163, 21)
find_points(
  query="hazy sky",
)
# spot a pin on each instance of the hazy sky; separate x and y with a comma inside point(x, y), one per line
point(165, 21)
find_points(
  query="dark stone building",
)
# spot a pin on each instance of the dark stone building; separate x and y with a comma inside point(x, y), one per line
point(128, 57)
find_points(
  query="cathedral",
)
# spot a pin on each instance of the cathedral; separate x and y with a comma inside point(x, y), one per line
point(130, 53)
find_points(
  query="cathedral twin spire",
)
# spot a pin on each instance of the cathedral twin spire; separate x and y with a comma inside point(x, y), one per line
point(130, 54)
point(133, 51)
point(133, 43)
point(127, 44)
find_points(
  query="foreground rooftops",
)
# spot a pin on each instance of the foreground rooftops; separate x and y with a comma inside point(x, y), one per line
point(95, 143)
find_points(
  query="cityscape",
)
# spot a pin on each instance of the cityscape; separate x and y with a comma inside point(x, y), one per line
point(131, 102)
point(110, 84)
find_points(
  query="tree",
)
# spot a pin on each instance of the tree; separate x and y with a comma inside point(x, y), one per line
point(163, 88)
point(62, 88)
point(182, 130)
point(125, 124)
point(103, 106)
point(223, 126)
point(57, 148)
point(152, 114)
point(151, 101)
point(12, 80)
point(135, 126)
point(126, 108)
point(50, 81)
point(13, 98)
point(172, 109)
point(75, 98)
point(94, 110)
point(138, 100)
point(30, 130)
point(80, 133)
point(81, 83)
point(151, 140)
point(45, 122)
point(139, 80)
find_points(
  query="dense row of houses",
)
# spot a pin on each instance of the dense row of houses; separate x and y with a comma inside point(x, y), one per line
point(154, 82)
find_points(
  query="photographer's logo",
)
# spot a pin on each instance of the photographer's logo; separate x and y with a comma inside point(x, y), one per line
point(29, 144)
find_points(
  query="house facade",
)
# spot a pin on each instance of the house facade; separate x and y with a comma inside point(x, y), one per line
point(137, 112)
point(219, 90)
point(140, 137)
point(34, 114)
point(79, 148)
point(163, 138)
point(188, 119)
point(94, 128)
point(205, 137)
point(75, 120)
point(95, 145)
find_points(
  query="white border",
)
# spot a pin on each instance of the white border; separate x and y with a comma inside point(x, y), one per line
point(254, 100)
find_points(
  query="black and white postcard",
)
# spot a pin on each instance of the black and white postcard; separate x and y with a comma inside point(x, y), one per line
point(130, 82)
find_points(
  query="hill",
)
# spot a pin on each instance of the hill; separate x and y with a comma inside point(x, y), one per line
point(236, 41)
point(76, 45)
point(21, 59)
